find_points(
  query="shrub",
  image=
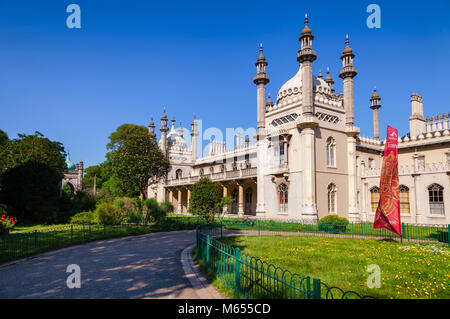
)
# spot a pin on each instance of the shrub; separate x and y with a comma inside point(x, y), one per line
point(204, 197)
point(333, 224)
point(109, 214)
point(155, 212)
point(84, 217)
point(167, 207)
point(6, 224)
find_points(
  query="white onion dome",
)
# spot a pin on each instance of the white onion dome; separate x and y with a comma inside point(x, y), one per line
point(291, 91)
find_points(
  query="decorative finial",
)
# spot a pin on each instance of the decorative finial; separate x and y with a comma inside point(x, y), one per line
point(320, 74)
point(164, 109)
point(374, 88)
point(306, 19)
point(346, 40)
point(260, 47)
point(328, 70)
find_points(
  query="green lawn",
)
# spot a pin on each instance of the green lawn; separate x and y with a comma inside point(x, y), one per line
point(408, 270)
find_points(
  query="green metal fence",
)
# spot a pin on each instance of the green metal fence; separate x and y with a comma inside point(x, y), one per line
point(250, 277)
point(416, 233)
point(17, 245)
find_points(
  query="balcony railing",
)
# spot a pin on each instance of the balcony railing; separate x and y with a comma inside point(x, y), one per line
point(222, 176)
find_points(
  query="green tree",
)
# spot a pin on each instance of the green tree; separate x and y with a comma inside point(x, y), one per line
point(206, 200)
point(124, 133)
point(4, 149)
point(136, 158)
point(30, 191)
point(36, 148)
point(102, 173)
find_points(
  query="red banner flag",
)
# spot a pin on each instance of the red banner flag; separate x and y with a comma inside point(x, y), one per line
point(388, 211)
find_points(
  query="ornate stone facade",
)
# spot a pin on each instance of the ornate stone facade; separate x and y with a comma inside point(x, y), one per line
point(308, 160)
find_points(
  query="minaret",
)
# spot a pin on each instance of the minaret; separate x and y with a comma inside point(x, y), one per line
point(164, 130)
point(375, 105)
point(307, 125)
point(306, 56)
point(416, 120)
point(194, 134)
point(347, 73)
point(329, 80)
point(151, 129)
point(261, 79)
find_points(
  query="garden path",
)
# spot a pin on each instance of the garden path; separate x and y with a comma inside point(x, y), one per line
point(146, 266)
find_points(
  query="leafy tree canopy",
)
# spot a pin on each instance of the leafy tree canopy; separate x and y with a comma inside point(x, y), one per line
point(123, 133)
point(36, 148)
point(135, 158)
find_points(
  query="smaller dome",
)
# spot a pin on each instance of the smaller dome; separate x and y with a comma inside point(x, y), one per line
point(70, 166)
point(375, 94)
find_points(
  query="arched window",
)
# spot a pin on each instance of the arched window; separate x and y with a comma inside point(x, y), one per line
point(436, 199)
point(283, 196)
point(201, 171)
point(211, 169)
point(234, 165)
point(178, 173)
point(331, 152)
point(332, 199)
point(404, 199)
point(374, 198)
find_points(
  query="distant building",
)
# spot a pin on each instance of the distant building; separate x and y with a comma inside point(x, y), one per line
point(309, 160)
point(73, 175)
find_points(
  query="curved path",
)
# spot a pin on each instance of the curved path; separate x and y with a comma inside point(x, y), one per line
point(146, 266)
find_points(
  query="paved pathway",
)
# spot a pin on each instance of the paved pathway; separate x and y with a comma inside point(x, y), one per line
point(146, 266)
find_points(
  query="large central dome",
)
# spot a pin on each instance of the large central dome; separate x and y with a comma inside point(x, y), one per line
point(291, 91)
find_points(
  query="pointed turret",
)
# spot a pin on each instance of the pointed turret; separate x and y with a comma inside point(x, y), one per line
point(347, 73)
point(261, 79)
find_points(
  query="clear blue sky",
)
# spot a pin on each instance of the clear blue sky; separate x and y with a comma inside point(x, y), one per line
point(131, 58)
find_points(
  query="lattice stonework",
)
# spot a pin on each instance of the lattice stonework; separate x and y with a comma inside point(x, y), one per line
point(285, 119)
point(327, 118)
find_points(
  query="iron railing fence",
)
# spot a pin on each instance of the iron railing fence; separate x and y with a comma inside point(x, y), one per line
point(410, 232)
point(250, 277)
point(17, 245)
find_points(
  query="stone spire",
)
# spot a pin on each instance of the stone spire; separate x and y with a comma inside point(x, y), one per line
point(306, 56)
point(261, 79)
point(347, 73)
point(151, 128)
point(329, 80)
point(375, 105)
point(164, 129)
point(194, 134)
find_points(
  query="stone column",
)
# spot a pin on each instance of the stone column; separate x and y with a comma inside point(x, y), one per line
point(309, 207)
point(171, 196)
point(353, 213)
point(188, 197)
point(180, 206)
point(241, 199)
point(225, 194)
